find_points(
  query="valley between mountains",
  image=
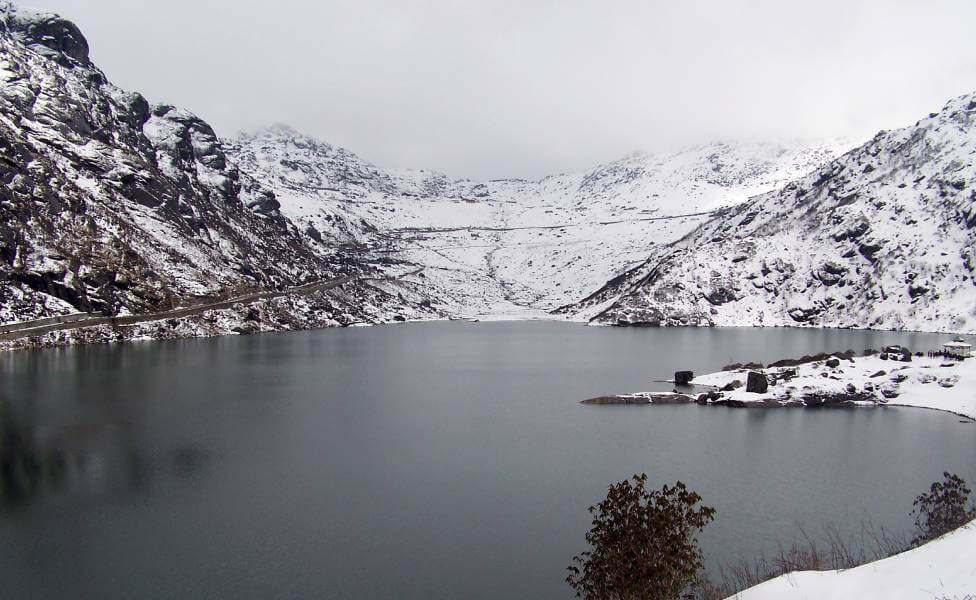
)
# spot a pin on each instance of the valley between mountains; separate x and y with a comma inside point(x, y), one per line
point(116, 206)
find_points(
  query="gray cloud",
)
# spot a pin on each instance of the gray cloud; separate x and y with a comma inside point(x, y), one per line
point(525, 88)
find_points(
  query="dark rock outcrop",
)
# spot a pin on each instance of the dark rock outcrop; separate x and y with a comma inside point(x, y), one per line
point(59, 36)
point(641, 399)
point(756, 383)
point(732, 385)
point(820, 399)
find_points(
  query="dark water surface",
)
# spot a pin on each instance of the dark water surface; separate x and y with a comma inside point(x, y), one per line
point(443, 460)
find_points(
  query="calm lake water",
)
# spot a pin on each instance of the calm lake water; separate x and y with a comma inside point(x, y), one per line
point(442, 460)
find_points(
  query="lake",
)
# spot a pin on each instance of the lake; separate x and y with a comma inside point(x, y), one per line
point(434, 460)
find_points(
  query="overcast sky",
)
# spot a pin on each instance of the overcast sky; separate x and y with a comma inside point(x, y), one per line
point(497, 88)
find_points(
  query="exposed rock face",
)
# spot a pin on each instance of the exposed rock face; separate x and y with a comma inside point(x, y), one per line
point(881, 237)
point(815, 399)
point(757, 383)
point(646, 398)
point(110, 204)
point(732, 386)
point(48, 33)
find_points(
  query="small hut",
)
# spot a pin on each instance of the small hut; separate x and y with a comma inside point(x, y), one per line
point(957, 348)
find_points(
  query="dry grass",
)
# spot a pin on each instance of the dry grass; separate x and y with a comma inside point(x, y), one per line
point(831, 550)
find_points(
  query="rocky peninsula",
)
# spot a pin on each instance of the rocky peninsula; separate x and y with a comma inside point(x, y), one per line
point(890, 377)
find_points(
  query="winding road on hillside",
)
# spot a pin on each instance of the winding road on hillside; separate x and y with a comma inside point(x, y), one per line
point(42, 326)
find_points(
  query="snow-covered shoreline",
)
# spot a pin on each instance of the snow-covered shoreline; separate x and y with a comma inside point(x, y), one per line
point(942, 568)
point(925, 382)
point(884, 379)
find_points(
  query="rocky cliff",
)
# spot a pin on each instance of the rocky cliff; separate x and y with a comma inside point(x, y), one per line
point(111, 204)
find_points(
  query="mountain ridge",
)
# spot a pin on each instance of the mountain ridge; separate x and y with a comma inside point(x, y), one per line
point(591, 222)
point(883, 238)
point(112, 204)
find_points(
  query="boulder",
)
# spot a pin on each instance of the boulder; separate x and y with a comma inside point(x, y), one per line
point(785, 374)
point(708, 397)
point(732, 385)
point(889, 392)
point(757, 383)
point(683, 377)
point(833, 362)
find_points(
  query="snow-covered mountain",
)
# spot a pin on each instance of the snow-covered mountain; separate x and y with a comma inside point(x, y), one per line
point(882, 237)
point(111, 204)
point(115, 205)
point(512, 248)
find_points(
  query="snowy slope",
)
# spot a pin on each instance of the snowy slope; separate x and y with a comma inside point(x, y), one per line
point(111, 204)
point(114, 205)
point(942, 568)
point(513, 248)
point(882, 237)
point(924, 382)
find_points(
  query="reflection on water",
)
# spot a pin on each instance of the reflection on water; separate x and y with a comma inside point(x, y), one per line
point(26, 469)
point(433, 461)
point(38, 463)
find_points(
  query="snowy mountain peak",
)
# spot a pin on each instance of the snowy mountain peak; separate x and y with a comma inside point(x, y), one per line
point(110, 203)
point(509, 246)
point(881, 237)
point(45, 32)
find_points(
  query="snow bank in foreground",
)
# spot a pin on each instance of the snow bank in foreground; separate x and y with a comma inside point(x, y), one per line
point(944, 568)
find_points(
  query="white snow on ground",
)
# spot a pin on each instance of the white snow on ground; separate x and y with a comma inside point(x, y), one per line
point(883, 237)
point(944, 568)
point(513, 248)
point(925, 382)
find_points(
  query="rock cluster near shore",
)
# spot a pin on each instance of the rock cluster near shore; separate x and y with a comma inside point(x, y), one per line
point(892, 376)
point(642, 398)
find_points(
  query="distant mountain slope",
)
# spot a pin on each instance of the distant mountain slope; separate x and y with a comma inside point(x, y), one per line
point(512, 248)
point(111, 204)
point(882, 237)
